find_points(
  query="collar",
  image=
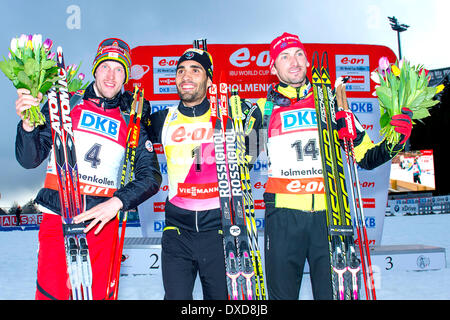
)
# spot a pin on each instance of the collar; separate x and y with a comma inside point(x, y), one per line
point(284, 95)
point(194, 111)
point(91, 95)
point(294, 93)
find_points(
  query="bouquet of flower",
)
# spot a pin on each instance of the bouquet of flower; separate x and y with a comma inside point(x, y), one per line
point(401, 85)
point(30, 65)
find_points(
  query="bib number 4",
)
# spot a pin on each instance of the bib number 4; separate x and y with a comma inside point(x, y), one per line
point(92, 155)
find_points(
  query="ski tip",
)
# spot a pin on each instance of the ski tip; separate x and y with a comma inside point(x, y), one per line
point(325, 59)
point(222, 78)
point(315, 59)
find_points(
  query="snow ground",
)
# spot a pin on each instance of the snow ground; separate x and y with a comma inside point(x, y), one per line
point(18, 250)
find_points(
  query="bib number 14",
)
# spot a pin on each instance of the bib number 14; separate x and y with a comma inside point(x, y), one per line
point(309, 149)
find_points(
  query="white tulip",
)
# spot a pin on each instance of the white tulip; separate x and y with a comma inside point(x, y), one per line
point(13, 45)
point(375, 77)
point(37, 41)
point(22, 41)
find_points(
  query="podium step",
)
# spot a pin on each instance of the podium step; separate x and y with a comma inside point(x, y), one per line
point(142, 256)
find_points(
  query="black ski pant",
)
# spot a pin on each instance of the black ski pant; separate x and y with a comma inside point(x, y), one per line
point(291, 237)
point(186, 253)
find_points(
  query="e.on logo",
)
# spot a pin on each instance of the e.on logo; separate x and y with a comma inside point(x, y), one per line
point(347, 60)
point(242, 58)
point(168, 62)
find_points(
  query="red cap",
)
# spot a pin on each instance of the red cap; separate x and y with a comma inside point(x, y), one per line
point(283, 42)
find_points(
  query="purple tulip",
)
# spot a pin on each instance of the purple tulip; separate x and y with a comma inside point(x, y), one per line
point(81, 76)
point(48, 44)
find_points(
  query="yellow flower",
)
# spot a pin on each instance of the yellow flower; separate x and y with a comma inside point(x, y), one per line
point(439, 88)
point(395, 70)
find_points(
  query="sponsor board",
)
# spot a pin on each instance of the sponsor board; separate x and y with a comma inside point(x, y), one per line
point(245, 67)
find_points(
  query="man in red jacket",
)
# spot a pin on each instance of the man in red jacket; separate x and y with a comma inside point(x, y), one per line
point(295, 219)
point(100, 151)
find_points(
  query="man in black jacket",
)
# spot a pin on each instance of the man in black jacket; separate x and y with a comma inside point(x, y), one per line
point(100, 137)
point(192, 241)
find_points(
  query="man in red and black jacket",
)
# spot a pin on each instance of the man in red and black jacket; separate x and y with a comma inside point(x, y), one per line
point(295, 217)
point(100, 133)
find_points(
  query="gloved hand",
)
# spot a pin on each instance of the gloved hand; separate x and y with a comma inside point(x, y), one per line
point(346, 125)
point(403, 124)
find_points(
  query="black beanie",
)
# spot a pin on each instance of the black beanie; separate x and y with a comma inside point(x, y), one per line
point(201, 56)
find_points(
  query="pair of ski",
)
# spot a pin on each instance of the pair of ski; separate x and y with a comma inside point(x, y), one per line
point(133, 130)
point(345, 263)
point(75, 242)
point(242, 257)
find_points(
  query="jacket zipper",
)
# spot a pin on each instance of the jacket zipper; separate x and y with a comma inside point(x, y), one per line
point(196, 221)
point(196, 212)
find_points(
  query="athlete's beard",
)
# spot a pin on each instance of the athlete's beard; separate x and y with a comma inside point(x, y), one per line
point(295, 82)
point(194, 96)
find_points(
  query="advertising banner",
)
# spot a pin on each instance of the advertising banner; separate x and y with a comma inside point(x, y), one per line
point(246, 68)
point(27, 222)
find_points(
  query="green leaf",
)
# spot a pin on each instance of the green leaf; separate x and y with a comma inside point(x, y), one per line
point(413, 77)
point(51, 73)
point(27, 53)
point(45, 87)
point(418, 100)
point(401, 91)
point(421, 113)
point(47, 64)
point(74, 85)
point(428, 104)
point(25, 80)
point(31, 67)
point(7, 69)
point(384, 120)
point(384, 96)
point(16, 66)
point(430, 92)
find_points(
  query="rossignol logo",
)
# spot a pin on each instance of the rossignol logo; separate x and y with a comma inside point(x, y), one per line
point(235, 182)
point(221, 166)
point(97, 123)
point(235, 230)
point(298, 119)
